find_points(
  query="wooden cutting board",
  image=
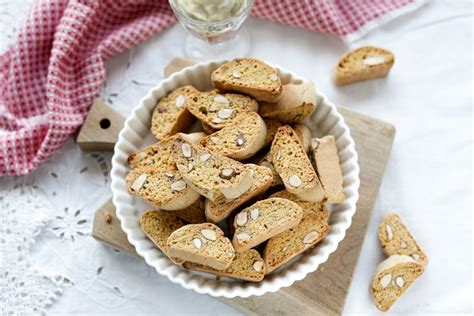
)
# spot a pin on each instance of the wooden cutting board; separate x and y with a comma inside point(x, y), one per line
point(324, 291)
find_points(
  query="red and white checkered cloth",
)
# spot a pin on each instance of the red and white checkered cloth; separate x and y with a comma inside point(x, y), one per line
point(49, 78)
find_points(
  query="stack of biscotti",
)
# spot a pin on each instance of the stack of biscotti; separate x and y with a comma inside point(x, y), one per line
point(198, 180)
point(406, 262)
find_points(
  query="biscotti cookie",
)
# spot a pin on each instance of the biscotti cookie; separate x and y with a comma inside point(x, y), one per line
point(326, 163)
point(263, 220)
point(294, 167)
point(396, 239)
point(304, 134)
point(267, 161)
point(364, 63)
point(158, 155)
point(296, 240)
point(240, 140)
point(246, 266)
point(272, 127)
point(171, 115)
point(249, 76)
point(194, 213)
point(209, 173)
point(202, 243)
point(392, 278)
point(158, 226)
point(216, 110)
point(218, 210)
point(297, 102)
point(319, 209)
point(164, 189)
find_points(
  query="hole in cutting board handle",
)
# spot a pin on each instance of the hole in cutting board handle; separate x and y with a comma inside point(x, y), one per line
point(104, 123)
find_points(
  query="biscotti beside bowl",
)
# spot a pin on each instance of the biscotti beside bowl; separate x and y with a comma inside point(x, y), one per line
point(136, 135)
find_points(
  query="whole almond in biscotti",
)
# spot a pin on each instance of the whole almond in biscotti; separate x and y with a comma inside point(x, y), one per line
point(304, 134)
point(294, 167)
point(216, 110)
point(218, 210)
point(319, 209)
point(267, 161)
point(263, 220)
point(297, 102)
point(170, 114)
point(283, 247)
point(249, 76)
point(246, 266)
point(203, 244)
point(165, 189)
point(272, 127)
point(240, 140)
point(158, 226)
point(392, 278)
point(326, 163)
point(193, 214)
point(158, 155)
point(396, 239)
point(209, 173)
point(364, 63)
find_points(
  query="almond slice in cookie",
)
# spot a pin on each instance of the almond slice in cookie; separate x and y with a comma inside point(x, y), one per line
point(170, 115)
point(246, 266)
point(364, 63)
point(396, 239)
point(294, 167)
point(240, 140)
point(215, 176)
point(202, 244)
point(275, 216)
point(249, 76)
point(164, 189)
point(219, 209)
point(216, 110)
point(392, 278)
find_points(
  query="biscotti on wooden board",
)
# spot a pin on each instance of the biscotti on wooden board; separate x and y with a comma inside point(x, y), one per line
point(392, 279)
point(240, 140)
point(294, 167)
point(246, 266)
point(263, 220)
point(171, 115)
point(328, 168)
point(199, 176)
point(209, 173)
point(164, 189)
point(158, 226)
point(396, 239)
point(215, 110)
point(203, 244)
point(158, 155)
point(364, 63)
point(297, 102)
point(218, 210)
point(249, 76)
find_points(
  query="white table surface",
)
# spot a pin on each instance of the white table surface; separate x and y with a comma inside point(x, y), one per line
point(428, 181)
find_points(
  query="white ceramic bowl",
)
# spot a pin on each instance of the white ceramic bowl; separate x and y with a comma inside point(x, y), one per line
point(136, 134)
